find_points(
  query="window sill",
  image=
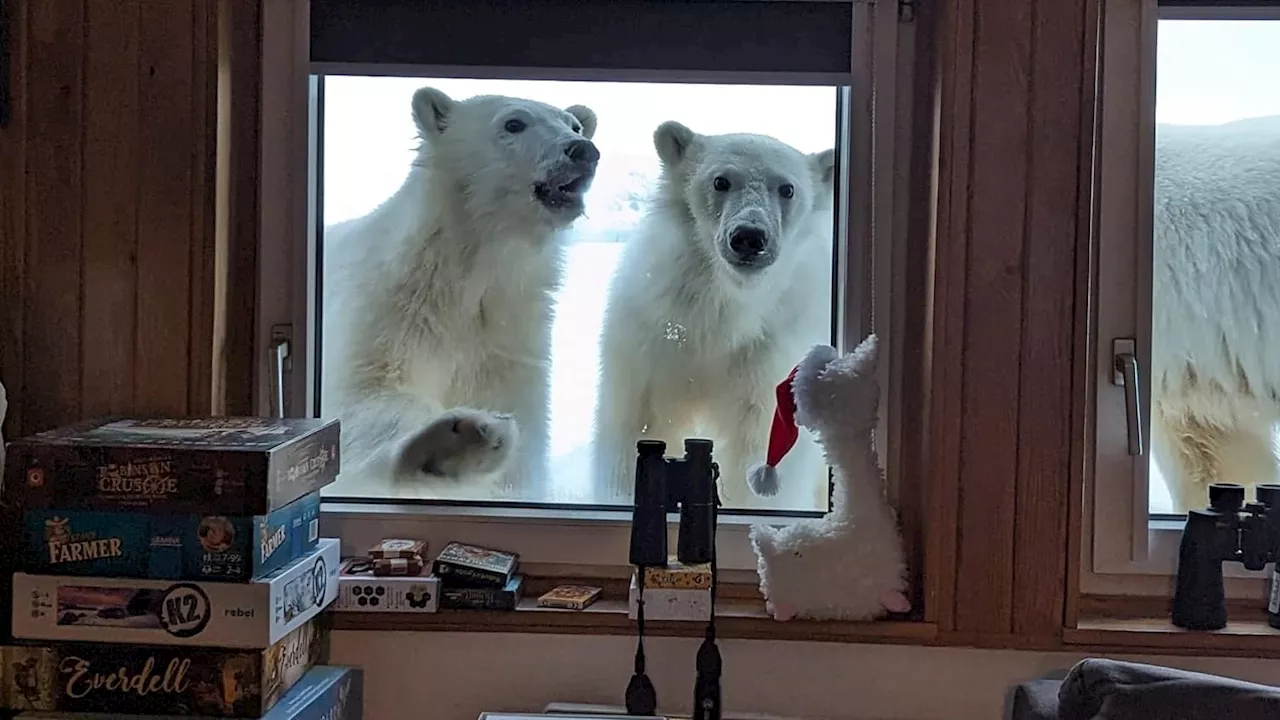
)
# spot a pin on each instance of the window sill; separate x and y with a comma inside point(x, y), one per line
point(739, 615)
point(1247, 637)
point(1142, 624)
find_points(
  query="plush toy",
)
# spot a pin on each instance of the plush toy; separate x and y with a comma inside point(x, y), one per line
point(848, 564)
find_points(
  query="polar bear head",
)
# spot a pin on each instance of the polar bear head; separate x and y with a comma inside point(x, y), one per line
point(752, 198)
point(520, 161)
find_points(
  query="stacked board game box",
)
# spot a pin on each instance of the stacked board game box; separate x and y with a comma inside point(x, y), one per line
point(324, 693)
point(168, 566)
point(476, 578)
point(391, 577)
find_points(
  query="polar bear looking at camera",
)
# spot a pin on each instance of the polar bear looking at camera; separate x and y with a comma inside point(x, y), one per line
point(722, 289)
point(438, 304)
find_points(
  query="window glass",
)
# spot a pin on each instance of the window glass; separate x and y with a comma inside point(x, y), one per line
point(1215, 375)
point(522, 278)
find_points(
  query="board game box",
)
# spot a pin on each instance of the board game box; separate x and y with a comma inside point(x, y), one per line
point(360, 590)
point(462, 565)
point(102, 677)
point(169, 547)
point(483, 598)
point(324, 693)
point(161, 612)
point(203, 466)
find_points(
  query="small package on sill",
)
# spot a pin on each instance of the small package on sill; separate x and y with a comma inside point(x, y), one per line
point(664, 603)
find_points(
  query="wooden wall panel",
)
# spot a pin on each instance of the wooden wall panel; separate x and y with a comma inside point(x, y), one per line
point(111, 146)
point(107, 178)
point(1045, 382)
point(1011, 81)
point(51, 296)
point(13, 203)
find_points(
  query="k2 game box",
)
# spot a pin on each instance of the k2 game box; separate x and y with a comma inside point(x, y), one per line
point(161, 612)
point(212, 682)
point(202, 466)
point(169, 547)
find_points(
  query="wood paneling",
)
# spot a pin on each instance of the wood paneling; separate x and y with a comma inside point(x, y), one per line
point(1011, 81)
point(107, 223)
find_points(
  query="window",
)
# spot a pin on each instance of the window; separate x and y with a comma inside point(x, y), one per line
point(806, 80)
point(1189, 241)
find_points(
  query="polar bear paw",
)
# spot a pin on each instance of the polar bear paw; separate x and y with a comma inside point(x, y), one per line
point(460, 443)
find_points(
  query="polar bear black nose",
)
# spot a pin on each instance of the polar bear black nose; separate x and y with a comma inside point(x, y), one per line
point(582, 151)
point(746, 241)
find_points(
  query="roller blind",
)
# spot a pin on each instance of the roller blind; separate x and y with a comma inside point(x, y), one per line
point(784, 37)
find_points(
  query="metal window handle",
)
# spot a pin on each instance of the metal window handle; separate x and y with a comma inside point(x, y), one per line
point(1125, 374)
point(281, 337)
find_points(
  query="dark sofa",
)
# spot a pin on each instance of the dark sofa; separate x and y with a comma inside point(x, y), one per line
point(1098, 689)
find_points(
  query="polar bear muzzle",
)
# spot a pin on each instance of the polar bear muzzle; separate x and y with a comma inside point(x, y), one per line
point(569, 180)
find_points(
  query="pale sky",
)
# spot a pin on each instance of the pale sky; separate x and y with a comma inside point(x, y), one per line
point(1214, 71)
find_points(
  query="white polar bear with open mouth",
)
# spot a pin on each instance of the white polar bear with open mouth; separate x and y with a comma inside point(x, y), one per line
point(438, 304)
point(723, 288)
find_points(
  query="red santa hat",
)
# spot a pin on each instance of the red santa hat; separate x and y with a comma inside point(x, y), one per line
point(783, 433)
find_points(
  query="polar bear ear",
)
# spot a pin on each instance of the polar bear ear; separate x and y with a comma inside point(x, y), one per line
point(431, 111)
point(672, 141)
point(585, 116)
point(824, 167)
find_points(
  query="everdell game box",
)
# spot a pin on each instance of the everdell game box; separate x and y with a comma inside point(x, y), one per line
point(213, 682)
point(205, 466)
point(161, 612)
point(324, 693)
point(169, 547)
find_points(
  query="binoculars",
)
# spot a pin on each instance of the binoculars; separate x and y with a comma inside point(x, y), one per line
point(669, 484)
point(1228, 530)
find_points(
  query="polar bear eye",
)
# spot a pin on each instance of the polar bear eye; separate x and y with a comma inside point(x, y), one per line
point(515, 126)
point(787, 191)
point(720, 183)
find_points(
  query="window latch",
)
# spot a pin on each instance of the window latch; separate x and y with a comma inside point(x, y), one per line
point(281, 342)
point(1125, 375)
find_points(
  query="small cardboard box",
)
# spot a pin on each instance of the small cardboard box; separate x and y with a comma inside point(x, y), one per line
point(199, 466)
point(150, 679)
point(324, 693)
point(359, 590)
point(217, 548)
point(670, 603)
point(160, 612)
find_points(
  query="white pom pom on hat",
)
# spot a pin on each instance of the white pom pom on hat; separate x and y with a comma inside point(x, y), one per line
point(783, 433)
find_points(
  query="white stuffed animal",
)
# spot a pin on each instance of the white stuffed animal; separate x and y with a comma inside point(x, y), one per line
point(848, 564)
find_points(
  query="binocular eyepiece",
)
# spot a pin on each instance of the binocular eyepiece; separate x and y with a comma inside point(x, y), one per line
point(686, 485)
point(1228, 530)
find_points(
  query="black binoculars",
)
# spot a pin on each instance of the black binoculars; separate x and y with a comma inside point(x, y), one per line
point(667, 484)
point(1229, 530)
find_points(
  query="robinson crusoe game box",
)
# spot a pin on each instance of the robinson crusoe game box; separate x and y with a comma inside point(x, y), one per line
point(100, 677)
point(219, 548)
point(203, 466)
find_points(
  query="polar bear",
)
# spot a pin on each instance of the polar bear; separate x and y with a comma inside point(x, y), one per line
point(1215, 372)
point(721, 290)
point(438, 303)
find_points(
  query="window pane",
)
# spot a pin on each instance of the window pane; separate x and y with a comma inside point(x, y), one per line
point(1216, 259)
point(477, 278)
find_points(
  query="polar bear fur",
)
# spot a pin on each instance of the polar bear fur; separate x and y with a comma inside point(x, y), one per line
point(438, 304)
point(717, 293)
point(1216, 306)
